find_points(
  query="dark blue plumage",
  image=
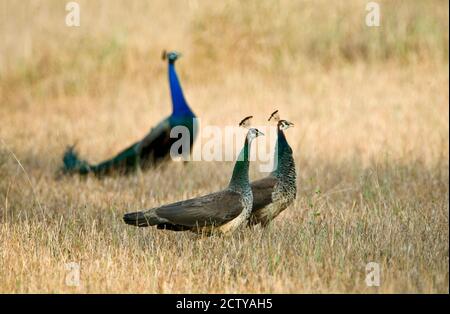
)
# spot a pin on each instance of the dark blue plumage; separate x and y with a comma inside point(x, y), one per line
point(153, 148)
point(180, 107)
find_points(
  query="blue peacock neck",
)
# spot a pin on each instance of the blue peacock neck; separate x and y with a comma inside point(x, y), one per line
point(239, 180)
point(180, 107)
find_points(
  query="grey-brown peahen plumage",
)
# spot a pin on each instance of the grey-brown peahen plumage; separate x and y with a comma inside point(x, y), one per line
point(222, 211)
point(274, 193)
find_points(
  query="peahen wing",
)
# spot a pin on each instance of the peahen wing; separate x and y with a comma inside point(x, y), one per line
point(262, 192)
point(212, 209)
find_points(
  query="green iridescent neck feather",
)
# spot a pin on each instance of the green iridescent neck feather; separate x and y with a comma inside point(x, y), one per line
point(283, 155)
point(239, 179)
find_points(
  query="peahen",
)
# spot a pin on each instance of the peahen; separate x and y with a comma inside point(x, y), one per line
point(274, 193)
point(221, 212)
point(153, 148)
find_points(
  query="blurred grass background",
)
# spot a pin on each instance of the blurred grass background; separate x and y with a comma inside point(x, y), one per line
point(116, 43)
point(370, 107)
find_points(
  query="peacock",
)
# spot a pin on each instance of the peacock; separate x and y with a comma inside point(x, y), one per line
point(274, 193)
point(153, 148)
point(221, 212)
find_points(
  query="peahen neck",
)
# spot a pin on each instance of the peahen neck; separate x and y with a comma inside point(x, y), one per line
point(239, 180)
point(284, 162)
point(180, 107)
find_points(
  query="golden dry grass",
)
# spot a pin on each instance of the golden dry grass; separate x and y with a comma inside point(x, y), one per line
point(371, 143)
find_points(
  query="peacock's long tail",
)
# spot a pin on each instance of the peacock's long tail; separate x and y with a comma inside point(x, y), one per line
point(125, 161)
point(73, 164)
point(152, 149)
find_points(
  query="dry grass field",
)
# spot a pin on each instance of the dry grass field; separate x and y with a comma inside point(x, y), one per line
point(371, 143)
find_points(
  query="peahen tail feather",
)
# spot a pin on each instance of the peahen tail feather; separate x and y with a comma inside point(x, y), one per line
point(150, 218)
point(72, 163)
point(138, 219)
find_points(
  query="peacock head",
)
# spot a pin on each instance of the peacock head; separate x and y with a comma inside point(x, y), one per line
point(171, 56)
point(252, 132)
point(282, 124)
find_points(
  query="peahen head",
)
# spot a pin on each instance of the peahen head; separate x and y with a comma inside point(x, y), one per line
point(172, 56)
point(282, 124)
point(252, 132)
